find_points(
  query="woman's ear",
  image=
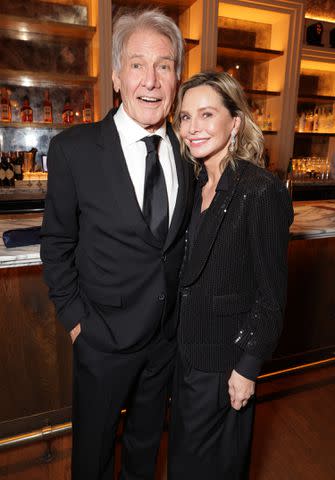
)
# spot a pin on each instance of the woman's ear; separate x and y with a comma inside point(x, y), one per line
point(237, 123)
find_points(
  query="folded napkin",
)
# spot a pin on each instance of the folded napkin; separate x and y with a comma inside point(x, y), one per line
point(21, 237)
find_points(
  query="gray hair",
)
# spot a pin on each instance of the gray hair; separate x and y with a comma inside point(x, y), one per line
point(150, 19)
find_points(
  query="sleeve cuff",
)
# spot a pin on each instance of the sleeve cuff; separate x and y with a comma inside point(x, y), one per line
point(249, 366)
point(72, 315)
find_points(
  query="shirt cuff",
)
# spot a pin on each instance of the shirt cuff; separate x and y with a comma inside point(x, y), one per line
point(249, 366)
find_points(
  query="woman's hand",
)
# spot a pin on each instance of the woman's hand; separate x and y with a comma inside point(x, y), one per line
point(240, 390)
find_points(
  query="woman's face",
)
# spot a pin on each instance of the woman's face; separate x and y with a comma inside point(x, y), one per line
point(206, 124)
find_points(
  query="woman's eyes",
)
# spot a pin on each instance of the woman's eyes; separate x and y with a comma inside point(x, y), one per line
point(184, 117)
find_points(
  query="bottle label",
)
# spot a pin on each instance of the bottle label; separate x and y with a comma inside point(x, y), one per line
point(87, 115)
point(9, 173)
point(47, 114)
point(27, 115)
point(5, 113)
point(17, 169)
point(2, 174)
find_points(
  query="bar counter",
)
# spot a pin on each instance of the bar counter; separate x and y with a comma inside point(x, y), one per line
point(312, 220)
point(36, 354)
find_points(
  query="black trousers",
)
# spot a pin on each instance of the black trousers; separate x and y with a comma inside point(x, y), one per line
point(208, 439)
point(103, 383)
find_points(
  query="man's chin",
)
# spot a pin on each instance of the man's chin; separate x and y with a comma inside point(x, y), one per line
point(152, 123)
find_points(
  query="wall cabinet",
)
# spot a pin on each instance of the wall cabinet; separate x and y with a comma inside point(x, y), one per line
point(63, 45)
point(315, 120)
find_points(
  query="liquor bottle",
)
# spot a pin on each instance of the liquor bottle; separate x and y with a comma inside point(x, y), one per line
point(2, 170)
point(302, 122)
point(321, 119)
point(10, 172)
point(260, 118)
point(47, 108)
point(316, 120)
point(7, 172)
point(6, 112)
point(67, 115)
point(87, 109)
point(17, 162)
point(268, 122)
point(26, 110)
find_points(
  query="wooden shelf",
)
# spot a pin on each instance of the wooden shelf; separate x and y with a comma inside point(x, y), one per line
point(316, 99)
point(261, 93)
point(258, 55)
point(24, 28)
point(269, 132)
point(175, 6)
point(316, 134)
point(42, 125)
point(45, 79)
point(190, 43)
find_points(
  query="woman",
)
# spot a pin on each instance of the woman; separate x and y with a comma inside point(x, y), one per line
point(233, 282)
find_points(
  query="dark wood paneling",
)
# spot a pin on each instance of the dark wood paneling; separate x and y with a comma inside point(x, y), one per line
point(35, 351)
point(310, 313)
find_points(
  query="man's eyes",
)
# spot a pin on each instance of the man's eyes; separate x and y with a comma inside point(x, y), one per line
point(165, 66)
point(207, 114)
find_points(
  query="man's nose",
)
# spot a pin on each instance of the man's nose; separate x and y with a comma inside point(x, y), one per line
point(150, 79)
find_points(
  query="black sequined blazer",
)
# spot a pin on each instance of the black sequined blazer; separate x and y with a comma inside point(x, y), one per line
point(233, 284)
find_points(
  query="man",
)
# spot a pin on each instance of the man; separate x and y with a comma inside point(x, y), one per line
point(117, 207)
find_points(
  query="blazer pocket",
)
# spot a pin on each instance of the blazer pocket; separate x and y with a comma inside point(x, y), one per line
point(103, 297)
point(232, 304)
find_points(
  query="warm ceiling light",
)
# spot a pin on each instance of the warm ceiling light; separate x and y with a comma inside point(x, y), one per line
point(320, 19)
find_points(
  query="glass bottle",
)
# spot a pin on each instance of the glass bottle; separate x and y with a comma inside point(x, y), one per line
point(6, 171)
point(67, 115)
point(47, 108)
point(6, 112)
point(302, 122)
point(87, 109)
point(2, 171)
point(316, 120)
point(26, 111)
point(17, 162)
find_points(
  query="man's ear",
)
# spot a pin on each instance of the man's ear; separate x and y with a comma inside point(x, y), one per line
point(116, 82)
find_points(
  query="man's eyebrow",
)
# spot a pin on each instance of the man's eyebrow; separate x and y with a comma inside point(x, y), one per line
point(138, 55)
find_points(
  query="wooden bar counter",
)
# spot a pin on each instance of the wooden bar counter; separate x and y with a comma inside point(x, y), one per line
point(35, 351)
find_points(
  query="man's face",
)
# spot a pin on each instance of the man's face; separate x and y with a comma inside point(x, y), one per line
point(147, 80)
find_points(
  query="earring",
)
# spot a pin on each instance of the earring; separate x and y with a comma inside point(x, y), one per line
point(232, 144)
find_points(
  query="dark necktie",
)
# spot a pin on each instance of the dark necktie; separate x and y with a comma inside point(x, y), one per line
point(155, 201)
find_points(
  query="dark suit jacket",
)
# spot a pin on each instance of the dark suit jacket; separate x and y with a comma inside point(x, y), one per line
point(233, 286)
point(103, 266)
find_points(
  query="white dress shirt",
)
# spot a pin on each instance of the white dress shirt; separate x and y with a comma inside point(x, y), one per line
point(135, 153)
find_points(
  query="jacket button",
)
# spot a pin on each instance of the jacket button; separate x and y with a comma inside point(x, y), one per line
point(161, 296)
point(163, 258)
point(185, 291)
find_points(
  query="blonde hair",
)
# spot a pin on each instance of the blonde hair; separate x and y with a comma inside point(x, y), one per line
point(249, 143)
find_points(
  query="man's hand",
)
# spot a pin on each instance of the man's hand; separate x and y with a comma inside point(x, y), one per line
point(75, 332)
point(240, 390)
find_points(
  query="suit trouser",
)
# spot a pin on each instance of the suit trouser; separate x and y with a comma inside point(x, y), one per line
point(103, 383)
point(208, 439)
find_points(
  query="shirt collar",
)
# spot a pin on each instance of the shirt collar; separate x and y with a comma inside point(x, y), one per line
point(131, 131)
point(223, 183)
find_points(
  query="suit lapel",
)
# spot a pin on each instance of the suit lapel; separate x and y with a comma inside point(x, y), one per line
point(114, 167)
point(211, 225)
point(183, 189)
